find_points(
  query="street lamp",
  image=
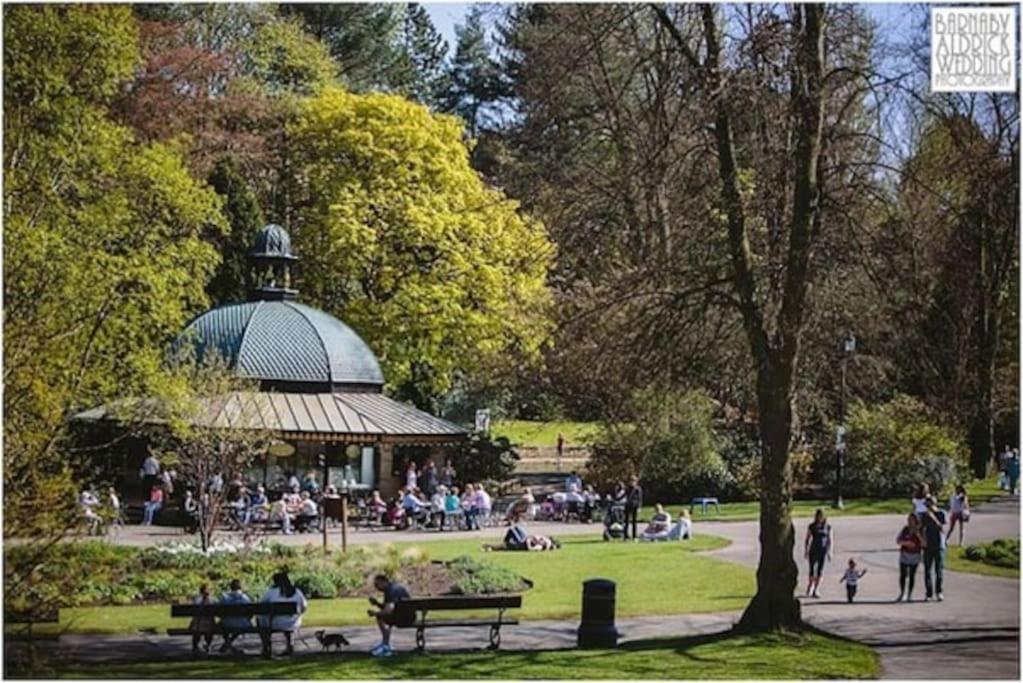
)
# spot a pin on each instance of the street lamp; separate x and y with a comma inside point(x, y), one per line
point(848, 349)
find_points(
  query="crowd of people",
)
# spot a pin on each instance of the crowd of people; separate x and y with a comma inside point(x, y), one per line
point(922, 540)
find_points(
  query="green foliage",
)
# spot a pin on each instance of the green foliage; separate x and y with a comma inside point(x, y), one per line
point(1003, 552)
point(894, 446)
point(419, 72)
point(402, 240)
point(362, 38)
point(472, 577)
point(315, 585)
point(484, 458)
point(476, 79)
point(241, 209)
point(286, 60)
point(670, 444)
point(104, 256)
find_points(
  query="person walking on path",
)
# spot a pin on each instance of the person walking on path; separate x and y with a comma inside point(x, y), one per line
point(1012, 471)
point(911, 543)
point(934, 549)
point(958, 511)
point(817, 547)
point(633, 502)
point(851, 579)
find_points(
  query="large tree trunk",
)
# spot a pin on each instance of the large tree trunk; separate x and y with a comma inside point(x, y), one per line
point(982, 429)
point(774, 606)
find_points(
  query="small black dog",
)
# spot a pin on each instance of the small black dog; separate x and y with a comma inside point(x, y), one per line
point(329, 640)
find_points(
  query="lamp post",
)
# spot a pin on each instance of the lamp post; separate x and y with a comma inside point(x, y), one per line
point(848, 348)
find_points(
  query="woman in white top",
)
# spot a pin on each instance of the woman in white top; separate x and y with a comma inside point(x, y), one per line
point(282, 590)
point(958, 511)
point(920, 499)
point(411, 476)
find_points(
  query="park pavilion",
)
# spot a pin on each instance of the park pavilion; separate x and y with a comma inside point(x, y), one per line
point(320, 388)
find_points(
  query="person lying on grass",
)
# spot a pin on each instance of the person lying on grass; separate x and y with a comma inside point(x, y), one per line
point(385, 614)
point(517, 538)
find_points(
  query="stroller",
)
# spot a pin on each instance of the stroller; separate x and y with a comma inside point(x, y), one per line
point(614, 522)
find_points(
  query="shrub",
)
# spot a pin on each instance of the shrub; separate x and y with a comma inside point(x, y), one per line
point(316, 585)
point(1003, 552)
point(894, 446)
point(472, 577)
point(670, 444)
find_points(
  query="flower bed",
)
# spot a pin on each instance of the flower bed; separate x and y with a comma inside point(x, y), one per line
point(97, 573)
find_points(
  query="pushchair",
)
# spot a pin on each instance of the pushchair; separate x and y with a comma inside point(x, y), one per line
point(614, 522)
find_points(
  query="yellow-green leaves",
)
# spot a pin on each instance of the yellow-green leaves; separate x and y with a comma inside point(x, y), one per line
point(402, 239)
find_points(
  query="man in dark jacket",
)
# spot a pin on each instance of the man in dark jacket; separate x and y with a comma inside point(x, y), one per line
point(633, 502)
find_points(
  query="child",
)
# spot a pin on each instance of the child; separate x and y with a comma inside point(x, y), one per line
point(851, 578)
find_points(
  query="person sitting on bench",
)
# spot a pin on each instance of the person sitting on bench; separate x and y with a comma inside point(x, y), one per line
point(282, 590)
point(202, 626)
point(416, 509)
point(659, 525)
point(385, 612)
point(308, 513)
point(231, 625)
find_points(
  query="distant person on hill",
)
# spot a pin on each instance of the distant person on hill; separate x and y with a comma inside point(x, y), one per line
point(633, 502)
point(817, 547)
point(958, 511)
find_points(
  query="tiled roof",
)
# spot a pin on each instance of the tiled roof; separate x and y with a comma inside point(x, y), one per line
point(337, 415)
point(284, 341)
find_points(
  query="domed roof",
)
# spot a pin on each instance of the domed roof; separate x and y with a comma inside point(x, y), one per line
point(272, 241)
point(284, 343)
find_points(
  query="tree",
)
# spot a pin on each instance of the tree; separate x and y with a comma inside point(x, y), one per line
point(476, 83)
point(420, 73)
point(245, 218)
point(104, 256)
point(362, 38)
point(282, 58)
point(213, 429)
point(400, 238)
point(774, 307)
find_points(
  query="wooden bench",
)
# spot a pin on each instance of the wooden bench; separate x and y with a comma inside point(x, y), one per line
point(414, 613)
point(214, 612)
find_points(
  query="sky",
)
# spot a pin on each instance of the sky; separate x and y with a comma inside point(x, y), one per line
point(446, 14)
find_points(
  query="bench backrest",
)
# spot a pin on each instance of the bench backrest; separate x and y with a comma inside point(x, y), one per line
point(276, 609)
point(460, 602)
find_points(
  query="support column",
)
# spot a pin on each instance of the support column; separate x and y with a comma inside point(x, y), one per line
point(387, 483)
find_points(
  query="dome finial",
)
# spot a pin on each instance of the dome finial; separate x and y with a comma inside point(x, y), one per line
point(271, 259)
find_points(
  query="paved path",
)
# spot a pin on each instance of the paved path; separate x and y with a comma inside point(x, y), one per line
point(973, 634)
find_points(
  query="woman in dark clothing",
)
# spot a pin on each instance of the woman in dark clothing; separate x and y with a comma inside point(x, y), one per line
point(817, 548)
point(633, 502)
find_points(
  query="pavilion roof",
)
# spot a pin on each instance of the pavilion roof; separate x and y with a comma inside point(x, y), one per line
point(340, 416)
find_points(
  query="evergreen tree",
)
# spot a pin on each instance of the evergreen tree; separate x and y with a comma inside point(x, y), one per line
point(362, 38)
point(242, 213)
point(421, 72)
point(476, 84)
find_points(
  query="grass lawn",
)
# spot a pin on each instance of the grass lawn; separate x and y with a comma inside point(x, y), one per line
point(718, 656)
point(644, 572)
point(545, 434)
point(956, 561)
point(980, 492)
